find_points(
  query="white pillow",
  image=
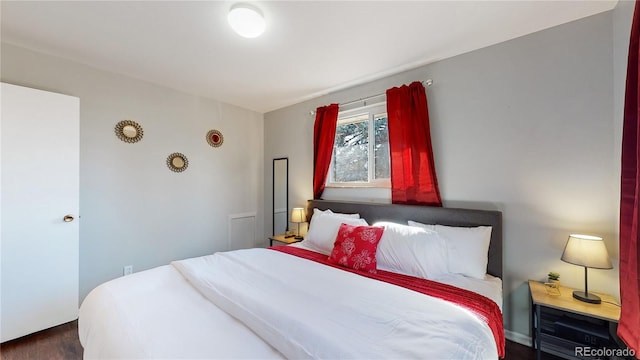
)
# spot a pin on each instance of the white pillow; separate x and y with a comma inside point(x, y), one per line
point(328, 211)
point(323, 230)
point(467, 248)
point(317, 211)
point(421, 225)
point(411, 251)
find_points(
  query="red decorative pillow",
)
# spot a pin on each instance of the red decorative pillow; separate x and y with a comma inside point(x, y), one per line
point(355, 247)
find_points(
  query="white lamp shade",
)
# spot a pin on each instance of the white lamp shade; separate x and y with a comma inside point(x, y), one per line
point(588, 251)
point(246, 20)
point(297, 215)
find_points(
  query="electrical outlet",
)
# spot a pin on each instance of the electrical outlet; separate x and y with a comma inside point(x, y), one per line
point(128, 270)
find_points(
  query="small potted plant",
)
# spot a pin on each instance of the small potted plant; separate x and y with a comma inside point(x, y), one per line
point(554, 278)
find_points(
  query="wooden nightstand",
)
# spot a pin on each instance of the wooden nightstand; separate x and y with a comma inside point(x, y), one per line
point(282, 239)
point(566, 327)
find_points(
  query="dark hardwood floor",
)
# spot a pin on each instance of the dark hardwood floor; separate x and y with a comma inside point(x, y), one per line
point(61, 342)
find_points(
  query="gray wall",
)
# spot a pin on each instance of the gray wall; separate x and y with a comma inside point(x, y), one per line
point(526, 127)
point(134, 210)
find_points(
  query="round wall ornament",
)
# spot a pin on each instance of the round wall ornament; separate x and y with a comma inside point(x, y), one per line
point(215, 138)
point(129, 131)
point(177, 162)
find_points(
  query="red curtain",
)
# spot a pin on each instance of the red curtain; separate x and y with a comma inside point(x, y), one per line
point(629, 326)
point(413, 173)
point(324, 133)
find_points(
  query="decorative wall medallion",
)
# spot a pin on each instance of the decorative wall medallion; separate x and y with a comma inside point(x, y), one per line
point(215, 138)
point(129, 131)
point(177, 162)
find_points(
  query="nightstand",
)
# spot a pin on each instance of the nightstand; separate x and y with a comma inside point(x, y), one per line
point(569, 328)
point(280, 238)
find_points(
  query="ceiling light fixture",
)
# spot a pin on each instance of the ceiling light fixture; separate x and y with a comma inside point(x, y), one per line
point(246, 20)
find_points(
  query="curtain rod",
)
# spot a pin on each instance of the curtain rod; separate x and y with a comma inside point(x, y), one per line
point(427, 82)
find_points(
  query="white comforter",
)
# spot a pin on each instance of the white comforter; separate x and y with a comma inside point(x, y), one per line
point(308, 310)
point(157, 314)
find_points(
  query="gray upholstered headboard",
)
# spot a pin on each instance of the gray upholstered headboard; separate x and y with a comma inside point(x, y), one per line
point(373, 212)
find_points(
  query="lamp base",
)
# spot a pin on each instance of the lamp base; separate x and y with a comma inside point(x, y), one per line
point(586, 297)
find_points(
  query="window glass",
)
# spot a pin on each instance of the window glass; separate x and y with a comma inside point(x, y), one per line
point(361, 149)
point(351, 150)
point(381, 147)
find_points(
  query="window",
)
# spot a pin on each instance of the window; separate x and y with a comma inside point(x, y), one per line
point(361, 149)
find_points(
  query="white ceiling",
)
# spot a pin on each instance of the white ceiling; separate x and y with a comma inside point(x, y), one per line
point(310, 48)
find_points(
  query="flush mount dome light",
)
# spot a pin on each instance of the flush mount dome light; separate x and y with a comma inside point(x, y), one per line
point(246, 20)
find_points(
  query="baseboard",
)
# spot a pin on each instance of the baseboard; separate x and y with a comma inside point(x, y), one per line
point(517, 337)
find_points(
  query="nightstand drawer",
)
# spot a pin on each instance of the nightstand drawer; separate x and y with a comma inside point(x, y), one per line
point(563, 348)
point(574, 327)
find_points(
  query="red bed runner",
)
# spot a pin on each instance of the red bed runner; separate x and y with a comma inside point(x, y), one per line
point(480, 305)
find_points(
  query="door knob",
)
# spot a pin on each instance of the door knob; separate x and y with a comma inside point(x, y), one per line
point(68, 218)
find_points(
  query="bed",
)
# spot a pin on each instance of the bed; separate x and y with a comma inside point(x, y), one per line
point(290, 302)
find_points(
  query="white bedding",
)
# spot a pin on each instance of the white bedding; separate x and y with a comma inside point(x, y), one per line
point(158, 314)
point(490, 286)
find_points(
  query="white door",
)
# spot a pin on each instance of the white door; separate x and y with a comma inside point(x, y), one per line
point(40, 186)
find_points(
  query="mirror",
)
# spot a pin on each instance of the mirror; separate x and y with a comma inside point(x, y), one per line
point(215, 138)
point(129, 131)
point(177, 162)
point(280, 195)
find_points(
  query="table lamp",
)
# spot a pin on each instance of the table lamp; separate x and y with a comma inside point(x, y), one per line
point(297, 216)
point(590, 252)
